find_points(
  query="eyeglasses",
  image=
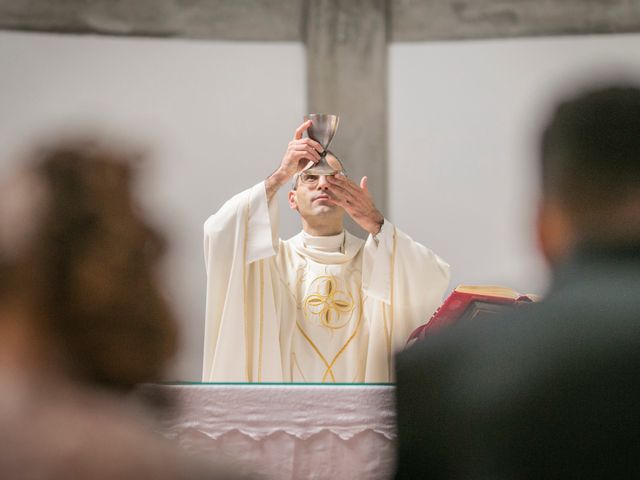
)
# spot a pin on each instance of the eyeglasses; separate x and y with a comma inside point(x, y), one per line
point(311, 179)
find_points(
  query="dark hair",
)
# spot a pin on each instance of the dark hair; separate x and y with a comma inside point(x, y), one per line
point(89, 268)
point(591, 155)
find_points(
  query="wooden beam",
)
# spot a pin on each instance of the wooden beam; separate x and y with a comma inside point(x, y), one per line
point(234, 20)
point(347, 75)
point(428, 20)
point(280, 20)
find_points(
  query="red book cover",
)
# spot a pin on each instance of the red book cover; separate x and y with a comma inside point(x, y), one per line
point(467, 302)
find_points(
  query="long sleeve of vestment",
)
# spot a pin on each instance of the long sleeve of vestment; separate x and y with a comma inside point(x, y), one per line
point(259, 326)
point(404, 283)
point(241, 317)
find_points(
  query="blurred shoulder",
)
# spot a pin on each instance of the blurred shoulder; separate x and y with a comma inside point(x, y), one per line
point(63, 432)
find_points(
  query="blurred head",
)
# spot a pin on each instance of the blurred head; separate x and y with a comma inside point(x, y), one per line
point(78, 257)
point(591, 172)
point(311, 198)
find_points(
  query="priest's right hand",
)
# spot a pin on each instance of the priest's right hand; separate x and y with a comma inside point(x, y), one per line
point(300, 152)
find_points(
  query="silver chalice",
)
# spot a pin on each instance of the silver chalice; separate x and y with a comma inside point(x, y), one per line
point(322, 130)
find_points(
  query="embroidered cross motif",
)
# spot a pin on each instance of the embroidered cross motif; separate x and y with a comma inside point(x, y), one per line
point(330, 305)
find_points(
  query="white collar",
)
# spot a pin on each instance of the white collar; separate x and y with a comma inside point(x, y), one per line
point(307, 246)
point(329, 244)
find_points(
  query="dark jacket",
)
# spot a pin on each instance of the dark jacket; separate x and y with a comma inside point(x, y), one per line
point(550, 392)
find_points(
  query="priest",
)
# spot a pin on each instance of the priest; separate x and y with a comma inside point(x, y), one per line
point(324, 306)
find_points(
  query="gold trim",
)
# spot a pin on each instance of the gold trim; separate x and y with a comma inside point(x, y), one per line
point(295, 362)
point(324, 306)
point(329, 370)
point(317, 350)
point(244, 286)
point(489, 290)
point(391, 304)
point(344, 347)
point(261, 320)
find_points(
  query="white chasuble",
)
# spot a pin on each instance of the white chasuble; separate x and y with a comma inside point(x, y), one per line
point(309, 309)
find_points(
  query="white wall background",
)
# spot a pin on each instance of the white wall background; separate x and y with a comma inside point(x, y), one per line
point(218, 117)
point(463, 124)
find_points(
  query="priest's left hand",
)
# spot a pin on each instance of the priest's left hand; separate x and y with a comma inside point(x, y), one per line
point(356, 201)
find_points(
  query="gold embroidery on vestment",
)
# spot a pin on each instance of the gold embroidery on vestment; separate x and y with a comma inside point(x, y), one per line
point(317, 350)
point(346, 344)
point(328, 303)
point(329, 366)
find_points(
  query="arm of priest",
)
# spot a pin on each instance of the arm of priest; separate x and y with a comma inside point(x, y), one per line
point(404, 280)
point(239, 239)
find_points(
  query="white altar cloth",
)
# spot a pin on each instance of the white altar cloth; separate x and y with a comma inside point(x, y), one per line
point(288, 431)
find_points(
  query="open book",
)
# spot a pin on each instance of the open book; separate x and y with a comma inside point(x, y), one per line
point(466, 302)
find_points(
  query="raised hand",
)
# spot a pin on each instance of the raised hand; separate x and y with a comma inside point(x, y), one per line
point(300, 152)
point(356, 201)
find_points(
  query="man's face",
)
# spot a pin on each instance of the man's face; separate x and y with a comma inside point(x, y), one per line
point(311, 198)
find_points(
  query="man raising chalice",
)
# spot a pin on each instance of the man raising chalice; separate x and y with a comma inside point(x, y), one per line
point(323, 306)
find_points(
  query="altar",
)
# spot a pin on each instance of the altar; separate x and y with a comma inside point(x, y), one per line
point(287, 431)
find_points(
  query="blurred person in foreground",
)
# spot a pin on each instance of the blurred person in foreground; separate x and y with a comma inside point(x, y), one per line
point(82, 319)
point(551, 392)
